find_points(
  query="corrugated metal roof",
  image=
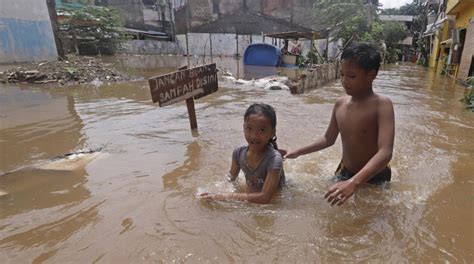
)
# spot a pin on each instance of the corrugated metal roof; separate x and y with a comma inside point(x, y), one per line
point(246, 22)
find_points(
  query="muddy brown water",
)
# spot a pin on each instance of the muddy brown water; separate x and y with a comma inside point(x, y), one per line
point(138, 204)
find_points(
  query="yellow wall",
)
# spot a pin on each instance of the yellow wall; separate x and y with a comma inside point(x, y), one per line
point(442, 36)
point(463, 12)
point(462, 21)
point(451, 4)
point(463, 17)
point(436, 44)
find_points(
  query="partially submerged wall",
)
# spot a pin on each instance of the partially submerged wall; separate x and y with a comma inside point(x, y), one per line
point(25, 32)
point(316, 77)
point(202, 44)
point(151, 47)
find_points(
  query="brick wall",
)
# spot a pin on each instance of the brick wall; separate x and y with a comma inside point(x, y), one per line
point(316, 77)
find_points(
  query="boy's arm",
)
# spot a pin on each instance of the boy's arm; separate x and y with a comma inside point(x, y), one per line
point(341, 191)
point(321, 142)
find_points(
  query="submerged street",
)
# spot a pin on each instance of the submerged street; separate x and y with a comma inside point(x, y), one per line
point(137, 202)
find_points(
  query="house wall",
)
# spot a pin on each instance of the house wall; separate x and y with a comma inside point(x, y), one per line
point(202, 11)
point(435, 60)
point(463, 14)
point(296, 11)
point(463, 18)
point(230, 6)
point(131, 12)
point(467, 53)
point(25, 33)
point(451, 4)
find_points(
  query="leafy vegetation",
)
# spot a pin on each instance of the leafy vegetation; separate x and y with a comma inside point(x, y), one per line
point(420, 10)
point(98, 27)
point(347, 19)
point(357, 20)
point(468, 100)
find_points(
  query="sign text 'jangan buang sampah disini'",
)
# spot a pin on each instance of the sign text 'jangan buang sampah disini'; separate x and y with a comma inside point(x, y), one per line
point(180, 85)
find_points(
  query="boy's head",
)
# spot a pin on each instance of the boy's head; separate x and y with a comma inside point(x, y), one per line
point(360, 65)
point(364, 55)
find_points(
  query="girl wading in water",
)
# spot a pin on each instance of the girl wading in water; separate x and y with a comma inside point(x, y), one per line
point(260, 159)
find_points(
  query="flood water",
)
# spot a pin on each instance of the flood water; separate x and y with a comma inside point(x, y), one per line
point(137, 203)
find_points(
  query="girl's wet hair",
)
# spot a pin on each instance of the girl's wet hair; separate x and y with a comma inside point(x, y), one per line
point(269, 112)
point(363, 54)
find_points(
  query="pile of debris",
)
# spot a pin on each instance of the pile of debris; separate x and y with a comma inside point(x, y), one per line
point(72, 70)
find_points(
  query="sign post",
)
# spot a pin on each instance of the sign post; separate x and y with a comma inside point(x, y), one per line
point(184, 84)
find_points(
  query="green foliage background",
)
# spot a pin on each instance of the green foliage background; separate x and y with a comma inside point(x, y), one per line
point(358, 20)
point(99, 25)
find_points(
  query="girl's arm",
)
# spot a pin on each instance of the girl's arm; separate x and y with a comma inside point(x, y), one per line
point(234, 170)
point(270, 186)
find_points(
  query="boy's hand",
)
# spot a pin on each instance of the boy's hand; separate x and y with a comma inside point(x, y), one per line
point(340, 192)
point(283, 152)
point(291, 155)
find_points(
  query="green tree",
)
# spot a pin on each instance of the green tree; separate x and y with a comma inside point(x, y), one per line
point(347, 19)
point(357, 20)
point(420, 10)
point(393, 32)
point(100, 26)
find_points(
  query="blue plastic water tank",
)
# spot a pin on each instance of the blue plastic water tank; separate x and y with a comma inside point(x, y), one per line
point(262, 54)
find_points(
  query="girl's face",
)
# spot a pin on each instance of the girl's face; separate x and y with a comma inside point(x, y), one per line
point(258, 130)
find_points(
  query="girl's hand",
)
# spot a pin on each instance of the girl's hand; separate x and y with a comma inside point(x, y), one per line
point(340, 192)
point(211, 196)
point(207, 196)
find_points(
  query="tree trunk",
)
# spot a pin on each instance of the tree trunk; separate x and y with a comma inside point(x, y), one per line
point(54, 23)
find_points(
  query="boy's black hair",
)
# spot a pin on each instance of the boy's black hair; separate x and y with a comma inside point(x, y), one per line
point(363, 54)
point(268, 111)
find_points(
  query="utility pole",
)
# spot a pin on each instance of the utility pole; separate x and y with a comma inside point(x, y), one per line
point(170, 4)
point(54, 24)
point(188, 15)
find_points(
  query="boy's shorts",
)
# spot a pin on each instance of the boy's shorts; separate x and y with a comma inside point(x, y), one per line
point(343, 174)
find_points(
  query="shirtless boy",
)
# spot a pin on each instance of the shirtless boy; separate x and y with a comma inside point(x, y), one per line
point(366, 123)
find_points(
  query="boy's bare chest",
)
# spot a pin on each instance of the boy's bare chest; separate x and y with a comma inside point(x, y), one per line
point(357, 121)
